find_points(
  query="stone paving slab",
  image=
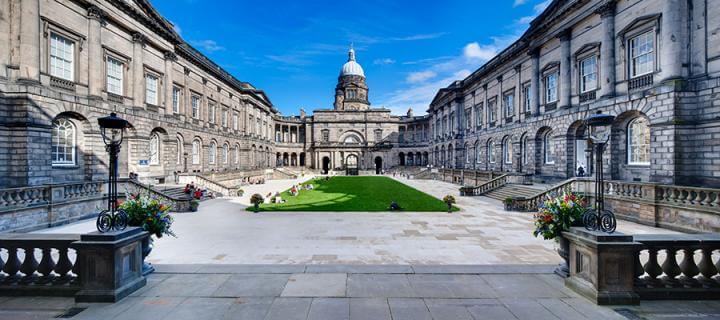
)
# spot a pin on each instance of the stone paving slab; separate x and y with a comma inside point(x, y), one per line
point(316, 285)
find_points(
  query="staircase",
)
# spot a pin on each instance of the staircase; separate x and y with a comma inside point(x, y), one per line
point(512, 190)
point(174, 191)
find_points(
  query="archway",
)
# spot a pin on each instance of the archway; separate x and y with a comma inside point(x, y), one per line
point(351, 165)
point(325, 165)
point(402, 158)
point(302, 159)
point(378, 165)
point(293, 159)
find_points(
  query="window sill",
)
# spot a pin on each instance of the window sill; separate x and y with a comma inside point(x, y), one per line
point(638, 165)
point(65, 166)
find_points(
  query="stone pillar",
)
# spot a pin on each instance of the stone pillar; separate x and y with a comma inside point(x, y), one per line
point(607, 50)
point(486, 108)
point(673, 37)
point(518, 91)
point(535, 81)
point(29, 35)
point(138, 70)
point(602, 266)
point(565, 74)
point(96, 19)
point(500, 109)
point(170, 58)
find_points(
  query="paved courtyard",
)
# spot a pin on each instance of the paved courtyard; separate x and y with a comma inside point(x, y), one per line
point(222, 232)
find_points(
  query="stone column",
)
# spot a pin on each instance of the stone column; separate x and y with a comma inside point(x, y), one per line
point(138, 70)
point(518, 91)
point(607, 49)
point(29, 35)
point(673, 37)
point(565, 74)
point(170, 58)
point(535, 81)
point(96, 19)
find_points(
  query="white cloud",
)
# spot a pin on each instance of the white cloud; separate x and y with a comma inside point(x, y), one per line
point(537, 10)
point(207, 45)
point(519, 3)
point(420, 76)
point(384, 61)
point(176, 27)
point(475, 51)
point(365, 39)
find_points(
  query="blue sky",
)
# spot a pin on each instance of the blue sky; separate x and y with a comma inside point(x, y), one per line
point(294, 49)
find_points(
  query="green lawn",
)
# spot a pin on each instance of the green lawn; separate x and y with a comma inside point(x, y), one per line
point(365, 193)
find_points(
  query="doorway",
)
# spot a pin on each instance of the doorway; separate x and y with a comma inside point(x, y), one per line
point(325, 165)
point(351, 165)
point(378, 165)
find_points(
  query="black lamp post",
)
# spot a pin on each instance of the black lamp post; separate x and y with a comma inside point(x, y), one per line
point(112, 129)
point(598, 126)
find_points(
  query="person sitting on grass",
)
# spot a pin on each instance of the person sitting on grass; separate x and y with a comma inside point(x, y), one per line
point(394, 206)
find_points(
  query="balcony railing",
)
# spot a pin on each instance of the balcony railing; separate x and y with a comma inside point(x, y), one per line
point(640, 82)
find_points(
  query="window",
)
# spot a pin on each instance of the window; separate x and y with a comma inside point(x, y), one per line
point(526, 98)
point(224, 118)
point(196, 152)
point(588, 74)
point(237, 154)
point(478, 153)
point(642, 56)
point(154, 149)
point(468, 154)
point(225, 153)
point(325, 136)
point(235, 121)
point(491, 151)
point(176, 99)
point(62, 57)
point(508, 151)
point(211, 112)
point(524, 150)
point(195, 106)
point(551, 86)
point(351, 94)
point(212, 152)
point(180, 148)
point(151, 89)
point(63, 142)
point(251, 124)
point(468, 119)
point(479, 115)
point(639, 142)
point(509, 103)
point(378, 135)
point(492, 112)
point(549, 148)
point(114, 76)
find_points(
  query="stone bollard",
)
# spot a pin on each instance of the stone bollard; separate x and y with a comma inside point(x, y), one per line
point(602, 266)
point(110, 264)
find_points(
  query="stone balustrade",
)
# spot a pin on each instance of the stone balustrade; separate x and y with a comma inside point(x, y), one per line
point(23, 197)
point(38, 264)
point(624, 269)
point(485, 187)
point(176, 204)
point(531, 204)
point(204, 182)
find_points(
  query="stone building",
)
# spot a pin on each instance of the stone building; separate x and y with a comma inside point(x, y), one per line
point(654, 64)
point(65, 63)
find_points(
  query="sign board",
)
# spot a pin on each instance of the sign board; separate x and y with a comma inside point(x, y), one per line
point(143, 162)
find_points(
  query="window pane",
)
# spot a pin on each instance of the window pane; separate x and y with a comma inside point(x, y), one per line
point(62, 57)
point(151, 83)
point(63, 142)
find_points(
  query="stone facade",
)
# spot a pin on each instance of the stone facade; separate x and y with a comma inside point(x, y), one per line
point(63, 64)
point(580, 57)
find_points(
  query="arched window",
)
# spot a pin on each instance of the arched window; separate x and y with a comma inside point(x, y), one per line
point(180, 150)
point(524, 150)
point(196, 151)
point(491, 151)
point(213, 152)
point(352, 139)
point(548, 148)
point(468, 154)
point(507, 151)
point(154, 148)
point(638, 144)
point(226, 151)
point(63, 142)
point(237, 154)
point(478, 153)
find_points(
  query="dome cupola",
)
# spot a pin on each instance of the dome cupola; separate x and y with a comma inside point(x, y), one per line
point(351, 67)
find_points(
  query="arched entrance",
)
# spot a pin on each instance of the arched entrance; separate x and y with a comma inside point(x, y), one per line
point(351, 165)
point(325, 165)
point(378, 165)
point(302, 159)
point(402, 158)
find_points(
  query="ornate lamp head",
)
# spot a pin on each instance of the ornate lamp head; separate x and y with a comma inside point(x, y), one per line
point(599, 125)
point(112, 129)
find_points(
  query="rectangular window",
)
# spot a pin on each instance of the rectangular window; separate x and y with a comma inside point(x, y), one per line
point(62, 57)
point(114, 76)
point(251, 124)
point(378, 135)
point(224, 117)
point(642, 56)
point(151, 89)
point(235, 121)
point(526, 96)
point(211, 112)
point(176, 99)
point(492, 112)
point(325, 136)
point(509, 103)
point(468, 119)
point(195, 106)
point(479, 115)
point(551, 86)
point(588, 74)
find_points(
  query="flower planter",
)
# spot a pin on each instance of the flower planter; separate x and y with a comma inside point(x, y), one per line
point(147, 247)
point(564, 251)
